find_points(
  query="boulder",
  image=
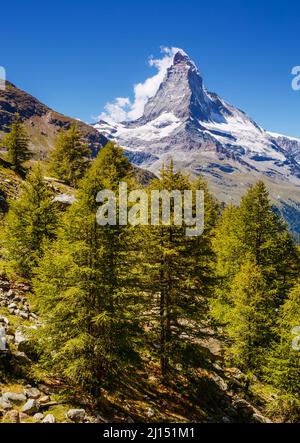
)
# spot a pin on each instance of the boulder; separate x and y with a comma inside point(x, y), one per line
point(14, 397)
point(76, 415)
point(44, 400)
point(220, 382)
point(3, 340)
point(30, 407)
point(38, 416)
point(20, 337)
point(4, 320)
point(49, 419)
point(32, 393)
point(5, 404)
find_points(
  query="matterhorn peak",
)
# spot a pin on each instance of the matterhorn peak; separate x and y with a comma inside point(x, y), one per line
point(181, 57)
point(203, 133)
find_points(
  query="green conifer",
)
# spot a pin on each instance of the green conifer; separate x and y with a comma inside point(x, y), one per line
point(16, 142)
point(69, 159)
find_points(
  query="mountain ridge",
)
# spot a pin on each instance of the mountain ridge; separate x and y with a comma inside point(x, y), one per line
point(204, 134)
point(42, 123)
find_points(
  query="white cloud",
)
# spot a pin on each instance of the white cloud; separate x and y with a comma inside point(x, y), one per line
point(123, 108)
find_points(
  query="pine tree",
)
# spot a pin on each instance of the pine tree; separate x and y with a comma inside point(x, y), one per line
point(84, 286)
point(254, 232)
point(176, 275)
point(16, 142)
point(266, 239)
point(250, 318)
point(29, 224)
point(283, 368)
point(69, 159)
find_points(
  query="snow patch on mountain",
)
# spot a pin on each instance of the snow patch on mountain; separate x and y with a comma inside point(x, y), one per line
point(195, 127)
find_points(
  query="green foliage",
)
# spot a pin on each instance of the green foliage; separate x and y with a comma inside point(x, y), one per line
point(286, 407)
point(177, 273)
point(16, 142)
point(249, 320)
point(30, 223)
point(283, 368)
point(69, 159)
point(84, 286)
point(254, 233)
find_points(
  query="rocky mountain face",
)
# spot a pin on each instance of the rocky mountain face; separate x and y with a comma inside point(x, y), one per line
point(42, 123)
point(206, 135)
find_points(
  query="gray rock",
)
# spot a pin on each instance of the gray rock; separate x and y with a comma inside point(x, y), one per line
point(49, 419)
point(76, 415)
point(65, 199)
point(38, 417)
point(4, 320)
point(5, 404)
point(14, 397)
point(30, 407)
point(244, 405)
point(220, 382)
point(3, 340)
point(24, 315)
point(10, 293)
point(32, 393)
point(20, 337)
point(45, 399)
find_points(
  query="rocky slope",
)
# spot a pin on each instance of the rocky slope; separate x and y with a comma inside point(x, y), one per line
point(42, 123)
point(216, 395)
point(205, 134)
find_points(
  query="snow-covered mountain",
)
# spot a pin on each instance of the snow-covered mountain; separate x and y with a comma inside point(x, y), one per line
point(205, 134)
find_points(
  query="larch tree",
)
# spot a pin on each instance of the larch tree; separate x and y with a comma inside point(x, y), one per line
point(30, 223)
point(176, 272)
point(84, 287)
point(283, 368)
point(250, 319)
point(17, 144)
point(70, 157)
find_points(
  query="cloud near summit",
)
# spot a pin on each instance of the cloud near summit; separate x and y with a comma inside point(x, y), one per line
point(122, 108)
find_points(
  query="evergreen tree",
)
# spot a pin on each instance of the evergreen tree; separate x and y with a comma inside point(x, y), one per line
point(266, 239)
point(250, 318)
point(177, 274)
point(283, 369)
point(16, 142)
point(84, 286)
point(254, 232)
point(69, 159)
point(29, 224)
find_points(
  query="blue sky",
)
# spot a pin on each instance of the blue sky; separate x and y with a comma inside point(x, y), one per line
point(78, 55)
